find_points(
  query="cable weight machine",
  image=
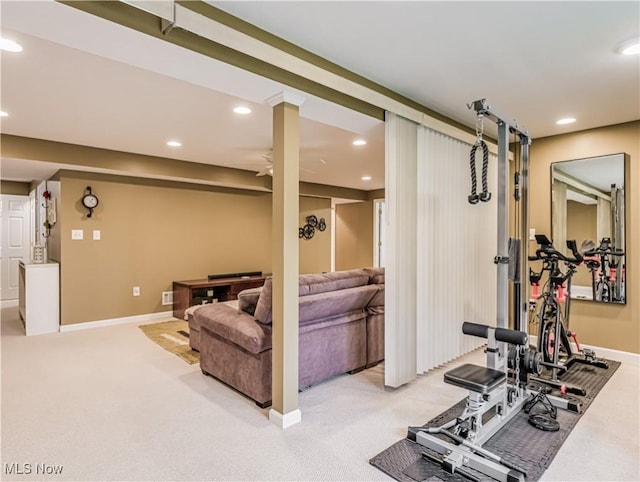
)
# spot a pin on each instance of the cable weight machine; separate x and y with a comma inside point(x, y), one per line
point(497, 392)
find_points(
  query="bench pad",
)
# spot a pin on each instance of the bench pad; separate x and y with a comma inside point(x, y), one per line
point(475, 378)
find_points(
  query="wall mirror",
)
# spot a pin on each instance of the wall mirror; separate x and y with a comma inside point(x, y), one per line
point(588, 205)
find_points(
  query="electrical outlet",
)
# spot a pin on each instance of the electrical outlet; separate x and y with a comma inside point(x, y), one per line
point(136, 291)
point(167, 297)
point(96, 235)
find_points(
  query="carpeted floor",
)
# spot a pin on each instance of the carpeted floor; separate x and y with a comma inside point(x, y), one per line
point(173, 336)
point(110, 405)
point(518, 442)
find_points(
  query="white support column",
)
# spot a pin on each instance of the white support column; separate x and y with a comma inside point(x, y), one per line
point(286, 150)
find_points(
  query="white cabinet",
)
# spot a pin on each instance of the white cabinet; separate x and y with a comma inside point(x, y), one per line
point(39, 297)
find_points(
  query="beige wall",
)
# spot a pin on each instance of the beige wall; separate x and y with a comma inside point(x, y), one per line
point(152, 235)
point(14, 188)
point(354, 235)
point(600, 324)
point(581, 225)
point(155, 231)
point(315, 253)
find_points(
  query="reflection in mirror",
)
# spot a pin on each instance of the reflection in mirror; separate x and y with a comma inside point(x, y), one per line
point(588, 205)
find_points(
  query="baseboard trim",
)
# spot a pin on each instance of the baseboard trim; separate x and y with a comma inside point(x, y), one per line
point(624, 357)
point(149, 317)
point(286, 420)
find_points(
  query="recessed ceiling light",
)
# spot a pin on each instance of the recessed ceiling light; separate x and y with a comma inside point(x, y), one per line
point(174, 144)
point(3, 113)
point(566, 120)
point(242, 110)
point(630, 47)
point(359, 142)
point(366, 178)
point(10, 45)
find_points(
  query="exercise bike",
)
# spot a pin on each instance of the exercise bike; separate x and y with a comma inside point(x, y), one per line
point(603, 263)
point(554, 337)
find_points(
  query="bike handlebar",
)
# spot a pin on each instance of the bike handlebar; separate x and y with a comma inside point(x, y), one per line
point(598, 251)
point(604, 249)
point(547, 251)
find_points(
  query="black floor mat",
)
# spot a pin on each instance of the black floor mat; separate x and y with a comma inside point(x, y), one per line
point(518, 442)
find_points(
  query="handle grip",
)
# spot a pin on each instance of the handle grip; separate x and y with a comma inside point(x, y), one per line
point(514, 337)
point(573, 247)
point(475, 329)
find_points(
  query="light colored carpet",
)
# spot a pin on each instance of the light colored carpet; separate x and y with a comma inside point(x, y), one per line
point(173, 336)
point(109, 405)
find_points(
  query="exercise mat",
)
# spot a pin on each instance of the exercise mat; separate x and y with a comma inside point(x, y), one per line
point(517, 442)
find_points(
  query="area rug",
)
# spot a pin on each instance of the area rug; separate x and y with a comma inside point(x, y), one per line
point(173, 336)
point(518, 442)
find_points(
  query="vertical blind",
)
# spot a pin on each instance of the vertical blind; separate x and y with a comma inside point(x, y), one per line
point(400, 251)
point(456, 245)
point(440, 250)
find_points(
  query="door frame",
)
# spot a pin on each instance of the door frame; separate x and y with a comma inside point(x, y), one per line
point(27, 230)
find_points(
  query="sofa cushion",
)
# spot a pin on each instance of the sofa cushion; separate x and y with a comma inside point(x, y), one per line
point(378, 298)
point(309, 284)
point(248, 299)
point(332, 321)
point(237, 327)
point(262, 312)
point(321, 306)
point(376, 275)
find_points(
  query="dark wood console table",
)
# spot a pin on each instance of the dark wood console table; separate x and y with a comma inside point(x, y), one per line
point(197, 292)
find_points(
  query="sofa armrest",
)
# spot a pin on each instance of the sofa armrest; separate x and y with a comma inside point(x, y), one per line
point(238, 327)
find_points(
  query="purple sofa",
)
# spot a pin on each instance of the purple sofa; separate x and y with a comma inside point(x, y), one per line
point(341, 321)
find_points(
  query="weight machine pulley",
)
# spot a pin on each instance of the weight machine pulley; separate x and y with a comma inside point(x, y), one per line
point(500, 388)
point(509, 260)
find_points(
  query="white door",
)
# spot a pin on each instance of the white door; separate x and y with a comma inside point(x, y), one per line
point(14, 242)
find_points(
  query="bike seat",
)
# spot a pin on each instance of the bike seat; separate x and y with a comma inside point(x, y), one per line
point(475, 378)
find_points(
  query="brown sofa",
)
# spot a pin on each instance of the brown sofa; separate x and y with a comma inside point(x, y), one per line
point(341, 323)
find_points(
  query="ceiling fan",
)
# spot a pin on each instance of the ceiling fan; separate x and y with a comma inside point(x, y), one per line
point(268, 169)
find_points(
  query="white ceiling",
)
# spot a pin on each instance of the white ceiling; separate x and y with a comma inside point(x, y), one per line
point(535, 61)
point(67, 86)
point(84, 80)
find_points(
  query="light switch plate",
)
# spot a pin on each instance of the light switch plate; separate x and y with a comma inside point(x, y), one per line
point(96, 235)
point(532, 234)
point(77, 234)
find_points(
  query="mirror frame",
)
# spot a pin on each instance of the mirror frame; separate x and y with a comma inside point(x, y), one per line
point(563, 249)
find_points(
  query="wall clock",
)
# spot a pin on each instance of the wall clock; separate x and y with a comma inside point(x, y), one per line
point(89, 201)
